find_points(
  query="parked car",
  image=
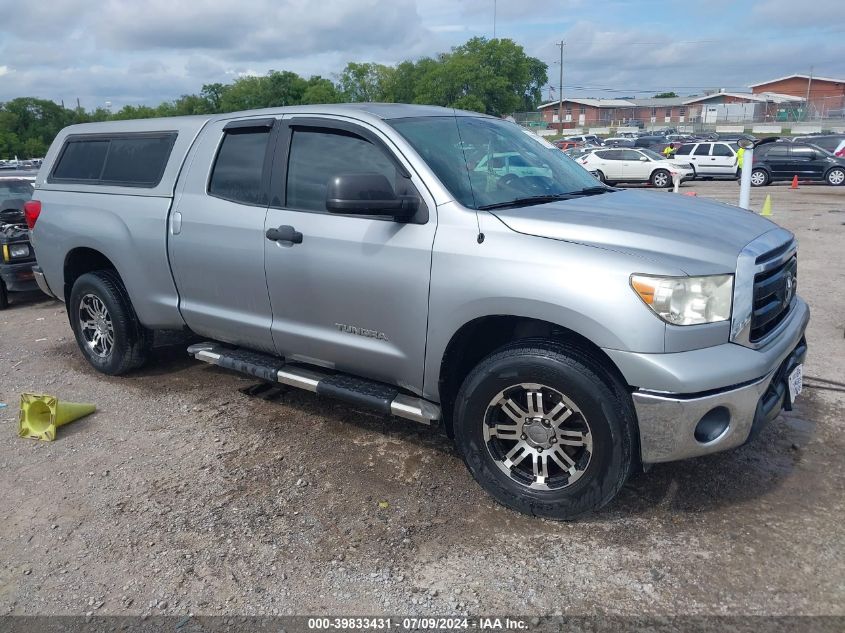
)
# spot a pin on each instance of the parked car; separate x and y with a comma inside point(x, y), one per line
point(773, 162)
point(833, 143)
point(717, 159)
point(636, 165)
point(651, 141)
point(503, 163)
point(619, 141)
point(564, 144)
point(16, 254)
point(562, 331)
point(728, 137)
point(577, 152)
point(586, 139)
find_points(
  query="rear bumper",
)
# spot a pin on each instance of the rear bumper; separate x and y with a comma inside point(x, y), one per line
point(41, 281)
point(18, 277)
point(668, 422)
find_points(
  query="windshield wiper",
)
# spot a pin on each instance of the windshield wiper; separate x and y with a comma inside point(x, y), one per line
point(524, 202)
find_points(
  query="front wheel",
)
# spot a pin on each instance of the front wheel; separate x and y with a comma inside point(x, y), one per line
point(661, 178)
point(545, 429)
point(759, 178)
point(835, 176)
point(104, 323)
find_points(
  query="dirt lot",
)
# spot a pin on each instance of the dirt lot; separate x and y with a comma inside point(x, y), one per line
point(183, 495)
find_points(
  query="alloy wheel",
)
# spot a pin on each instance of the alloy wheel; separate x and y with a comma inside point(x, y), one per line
point(537, 436)
point(96, 325)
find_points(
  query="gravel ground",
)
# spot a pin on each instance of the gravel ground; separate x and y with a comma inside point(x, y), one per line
point(182, 495)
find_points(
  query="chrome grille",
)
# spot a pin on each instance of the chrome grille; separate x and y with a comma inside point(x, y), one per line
point(774, 291)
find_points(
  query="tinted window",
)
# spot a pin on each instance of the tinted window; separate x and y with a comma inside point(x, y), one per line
point(803, 152)
point(629, 154)
point(82, 160)
point(683, 150)
point(611, 154)
point(139, 161)
point(318, 156)
point(722, 150)
point(239, 167)
point(702, 150)
point(134, 160)
point(778, 151)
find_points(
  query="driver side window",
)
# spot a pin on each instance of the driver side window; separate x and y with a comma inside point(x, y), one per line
point(317, 155)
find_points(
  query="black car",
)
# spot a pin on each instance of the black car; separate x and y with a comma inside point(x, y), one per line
point(651, 141)
point(830, 142)
point(778, 161)
point(16, 255)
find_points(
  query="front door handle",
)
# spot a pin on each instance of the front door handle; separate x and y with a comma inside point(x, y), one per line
point(284, 233)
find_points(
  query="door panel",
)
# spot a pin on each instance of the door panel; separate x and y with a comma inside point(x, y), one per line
point(632, 167)
point(700, 158)
point(216, 237)
point(353, 295)
point(722, 160)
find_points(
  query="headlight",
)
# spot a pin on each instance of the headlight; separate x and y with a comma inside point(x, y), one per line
point(18, 251)
point(686, 300)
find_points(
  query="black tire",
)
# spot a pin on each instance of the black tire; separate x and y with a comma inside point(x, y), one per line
point(761, 176)
point(603, 401)
point(132, 342)
point(4, 296)
point(600, 176)
point(657, 177)
point(835, 177)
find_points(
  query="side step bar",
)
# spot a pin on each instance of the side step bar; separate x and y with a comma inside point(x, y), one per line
point(358, 391)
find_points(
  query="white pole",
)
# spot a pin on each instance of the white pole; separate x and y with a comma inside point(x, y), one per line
point(745, 182)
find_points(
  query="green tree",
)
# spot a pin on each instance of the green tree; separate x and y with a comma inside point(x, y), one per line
point(320, 90)
point(665, 95)
point(365, 81)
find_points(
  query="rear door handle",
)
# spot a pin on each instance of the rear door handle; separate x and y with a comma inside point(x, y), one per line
point(284, 233)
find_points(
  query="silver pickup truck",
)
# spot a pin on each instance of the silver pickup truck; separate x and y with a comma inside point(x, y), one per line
point(436, 265)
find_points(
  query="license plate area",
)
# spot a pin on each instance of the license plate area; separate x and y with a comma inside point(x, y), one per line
point(795, 382)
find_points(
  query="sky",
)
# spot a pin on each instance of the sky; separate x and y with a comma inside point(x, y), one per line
point(146, 51)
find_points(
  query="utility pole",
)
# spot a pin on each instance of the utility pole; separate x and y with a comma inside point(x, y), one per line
point(560, 90)
point(807, 100)
point(494, 19)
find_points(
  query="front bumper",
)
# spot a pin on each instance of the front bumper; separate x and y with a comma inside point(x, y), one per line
point(18, 277)
point(675, 390)
point(668, 422)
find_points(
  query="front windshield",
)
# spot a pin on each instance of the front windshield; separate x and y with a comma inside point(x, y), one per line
point(484, 161)
point(15, 190)
point(652, 154)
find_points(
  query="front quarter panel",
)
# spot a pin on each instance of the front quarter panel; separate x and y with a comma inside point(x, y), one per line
point(582, 288)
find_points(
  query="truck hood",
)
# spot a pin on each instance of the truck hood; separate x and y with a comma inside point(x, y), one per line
point(698, 236)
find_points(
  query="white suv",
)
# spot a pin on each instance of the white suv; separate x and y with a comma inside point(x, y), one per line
point(710, 158)
point(635, 165)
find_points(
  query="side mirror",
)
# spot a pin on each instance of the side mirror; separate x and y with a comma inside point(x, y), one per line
point(643, 158)
point(368, 194)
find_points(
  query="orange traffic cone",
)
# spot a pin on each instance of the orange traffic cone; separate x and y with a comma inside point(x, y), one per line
point(794, 182)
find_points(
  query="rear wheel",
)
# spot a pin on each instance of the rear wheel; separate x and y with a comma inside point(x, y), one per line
point(835, 176)
point(4, 296)
point(107, 330)
point(661, 178)
point(545, 429)
point(759, 178)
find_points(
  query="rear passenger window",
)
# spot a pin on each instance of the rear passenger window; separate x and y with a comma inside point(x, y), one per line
point(131, 160)
point(239, 168)
point(137, 161)
point(317, 156)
